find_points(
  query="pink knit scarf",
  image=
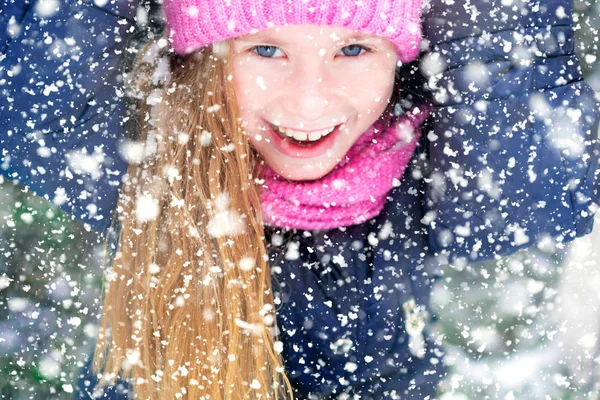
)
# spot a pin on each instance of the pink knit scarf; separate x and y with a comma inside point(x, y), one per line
point(355, 190)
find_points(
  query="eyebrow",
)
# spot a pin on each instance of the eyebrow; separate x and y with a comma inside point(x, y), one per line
point(261, 36)
point(360, 36)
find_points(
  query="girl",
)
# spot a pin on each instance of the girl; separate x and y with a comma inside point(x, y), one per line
point(275, 129)
point(278, 233)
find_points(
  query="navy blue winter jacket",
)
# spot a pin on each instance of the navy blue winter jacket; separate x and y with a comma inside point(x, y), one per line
point(508, 159)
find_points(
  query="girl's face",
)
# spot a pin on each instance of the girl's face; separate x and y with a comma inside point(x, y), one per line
point(306, 93)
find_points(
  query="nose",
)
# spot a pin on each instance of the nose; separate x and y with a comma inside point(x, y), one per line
point(308, 96)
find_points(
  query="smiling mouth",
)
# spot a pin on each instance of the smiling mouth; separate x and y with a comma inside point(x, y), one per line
point(300, 137)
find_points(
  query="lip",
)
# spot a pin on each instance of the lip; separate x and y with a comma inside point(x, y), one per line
point(305, 130)
point(310, 150)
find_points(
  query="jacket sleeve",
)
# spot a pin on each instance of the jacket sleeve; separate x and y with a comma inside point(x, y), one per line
point(513, 142)
point(87, 386)
point(61, 102)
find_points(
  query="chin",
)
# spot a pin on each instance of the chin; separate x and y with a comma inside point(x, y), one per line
point(302, 174)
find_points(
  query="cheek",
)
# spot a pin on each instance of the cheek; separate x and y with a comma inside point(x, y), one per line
point(255, 84)
point(382, 80)
point(374, 95)
point(244, 85)
point(243, 91)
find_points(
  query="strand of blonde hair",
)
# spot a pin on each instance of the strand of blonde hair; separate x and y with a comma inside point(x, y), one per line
point(182, 317)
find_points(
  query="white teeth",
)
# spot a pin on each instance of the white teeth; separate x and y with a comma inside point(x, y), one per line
point(314, 136)
point(303, 136)
point(300, 136)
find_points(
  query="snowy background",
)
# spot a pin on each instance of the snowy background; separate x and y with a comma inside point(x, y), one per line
point(525, 327)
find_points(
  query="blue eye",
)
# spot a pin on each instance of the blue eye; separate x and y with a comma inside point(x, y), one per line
point(352, 50)
point(265, 51)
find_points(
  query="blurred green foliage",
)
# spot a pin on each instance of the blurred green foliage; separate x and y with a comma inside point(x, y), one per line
point(50, 279)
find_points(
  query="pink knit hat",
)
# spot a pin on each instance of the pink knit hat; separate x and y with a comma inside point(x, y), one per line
point(193, 24)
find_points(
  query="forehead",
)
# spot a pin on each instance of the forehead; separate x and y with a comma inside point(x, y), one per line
point(304, 33)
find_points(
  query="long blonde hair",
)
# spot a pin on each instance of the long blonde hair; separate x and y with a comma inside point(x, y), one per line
point(188, 311)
